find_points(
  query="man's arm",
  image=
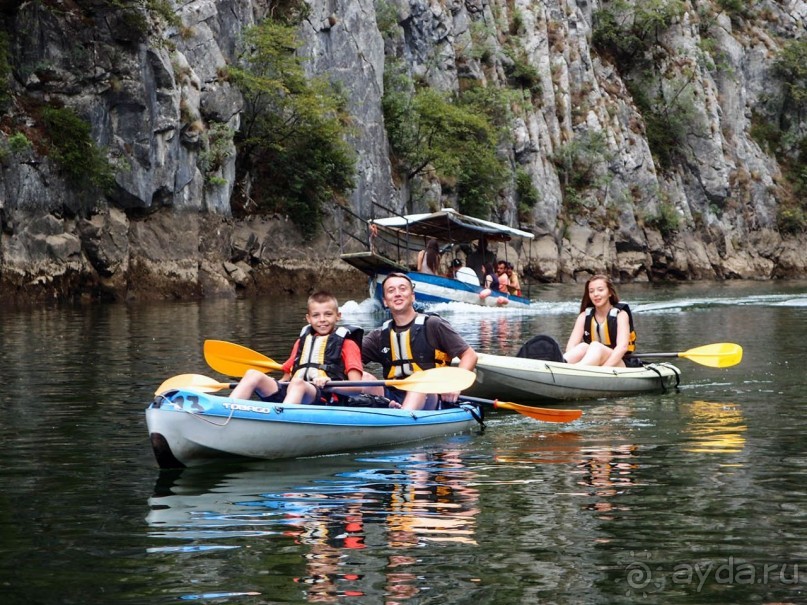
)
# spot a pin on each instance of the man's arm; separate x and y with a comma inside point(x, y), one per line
point(370, 347)
point(468, 359)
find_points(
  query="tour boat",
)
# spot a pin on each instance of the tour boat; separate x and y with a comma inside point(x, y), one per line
point(534, 380)
point(401, 236)
point(188, 427)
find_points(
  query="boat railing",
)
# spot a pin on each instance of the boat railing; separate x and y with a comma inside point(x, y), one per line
point(402, 246)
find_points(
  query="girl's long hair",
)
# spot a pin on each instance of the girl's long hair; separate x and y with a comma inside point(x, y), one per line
point(613, 297)
point(433, 254)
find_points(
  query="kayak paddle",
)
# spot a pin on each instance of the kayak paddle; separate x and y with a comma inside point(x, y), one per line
point(196, 382)
point(436, 380)
point(545, 414)
point(718, 355)
point(234, 360)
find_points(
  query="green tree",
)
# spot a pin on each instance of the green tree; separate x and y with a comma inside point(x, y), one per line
point(455, 137)
point(791, 68)
point(292, 141)
point(82, 162)
point(627, 30)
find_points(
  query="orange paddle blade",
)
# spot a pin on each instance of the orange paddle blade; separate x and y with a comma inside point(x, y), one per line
point(544, 414)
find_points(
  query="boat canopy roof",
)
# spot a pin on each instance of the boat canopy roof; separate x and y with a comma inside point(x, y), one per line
point(449, 225)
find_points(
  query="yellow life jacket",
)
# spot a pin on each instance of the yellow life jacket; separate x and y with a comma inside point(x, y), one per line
point(409, 350)
point(609, 329)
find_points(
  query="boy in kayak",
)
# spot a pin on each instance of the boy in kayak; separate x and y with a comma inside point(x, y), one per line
point(412, 342)
point(323, 352)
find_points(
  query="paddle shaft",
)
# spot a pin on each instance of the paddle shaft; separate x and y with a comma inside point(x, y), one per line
point(544, 414)
point(435, 380)
point(331, 384)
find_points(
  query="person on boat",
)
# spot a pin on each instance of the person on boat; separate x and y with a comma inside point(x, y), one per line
point(513, 285)
point(488, 276)
point(429, 259)
point(479, 256)
point(463, 274)
point(411, 342)
point(323, 352)
point(603, 334)
point(501, 279)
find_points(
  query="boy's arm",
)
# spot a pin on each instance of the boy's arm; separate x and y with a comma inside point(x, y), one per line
point(288, 365)
point(351, 357)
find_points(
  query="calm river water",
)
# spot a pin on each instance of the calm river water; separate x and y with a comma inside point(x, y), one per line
point(696, 496)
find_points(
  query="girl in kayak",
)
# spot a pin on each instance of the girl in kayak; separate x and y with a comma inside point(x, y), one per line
point(603, 334)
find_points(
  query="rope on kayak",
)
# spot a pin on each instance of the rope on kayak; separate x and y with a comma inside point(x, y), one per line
point(677, 373)
point(476, 412)
point(201, 416)
point(675, 370)
point(549, 367)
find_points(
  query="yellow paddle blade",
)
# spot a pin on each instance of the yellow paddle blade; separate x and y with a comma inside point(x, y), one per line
point(196, 382)
point(234, 360)
point(718, 355)
point(437, 380)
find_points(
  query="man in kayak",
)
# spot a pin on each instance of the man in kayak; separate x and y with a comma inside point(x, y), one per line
point(323, 352)
point(412, 342)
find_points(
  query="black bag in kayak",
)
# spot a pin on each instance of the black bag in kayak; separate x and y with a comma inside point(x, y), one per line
point(543, 347)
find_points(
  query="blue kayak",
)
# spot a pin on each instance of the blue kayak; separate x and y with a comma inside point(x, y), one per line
point(188, 427)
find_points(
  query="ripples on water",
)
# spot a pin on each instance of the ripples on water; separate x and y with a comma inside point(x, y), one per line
point(666, 498)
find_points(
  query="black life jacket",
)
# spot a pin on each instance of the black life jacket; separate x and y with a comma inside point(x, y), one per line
point(609, 337)
point(317, 355)
point(410, 351)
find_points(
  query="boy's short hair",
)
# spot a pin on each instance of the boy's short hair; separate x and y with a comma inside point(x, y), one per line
point(322, 296)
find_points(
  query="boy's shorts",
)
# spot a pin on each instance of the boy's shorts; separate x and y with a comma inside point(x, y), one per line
point(322, 397)
point(276, 397)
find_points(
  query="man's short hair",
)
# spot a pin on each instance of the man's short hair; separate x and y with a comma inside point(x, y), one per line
point(398, 274)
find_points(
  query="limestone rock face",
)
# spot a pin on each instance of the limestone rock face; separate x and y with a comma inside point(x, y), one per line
point(154, 88)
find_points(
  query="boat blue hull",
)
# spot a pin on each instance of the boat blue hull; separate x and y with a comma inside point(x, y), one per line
point(435, 289)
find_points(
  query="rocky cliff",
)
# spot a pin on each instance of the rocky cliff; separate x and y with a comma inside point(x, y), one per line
point(148, 77)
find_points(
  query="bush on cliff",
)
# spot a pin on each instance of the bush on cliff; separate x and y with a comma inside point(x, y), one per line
point(291, 146)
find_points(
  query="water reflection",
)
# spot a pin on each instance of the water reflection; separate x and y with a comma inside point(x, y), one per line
point(608, 472)
point(501, 334)
point(345, 526)
point(541, 447)
point(714, 428)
